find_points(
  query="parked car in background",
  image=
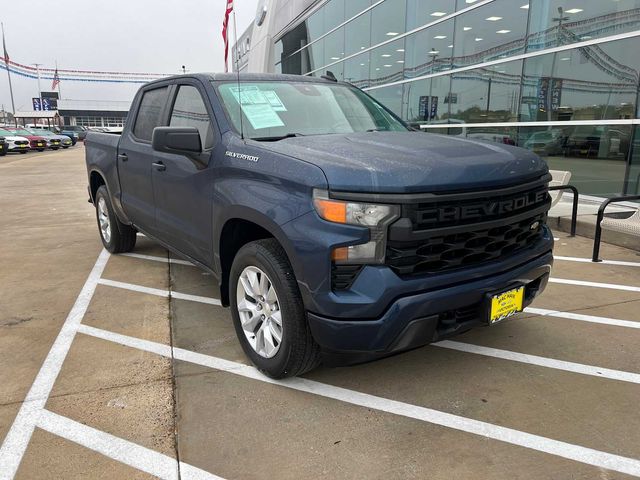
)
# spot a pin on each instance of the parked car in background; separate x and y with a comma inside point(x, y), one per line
point(3, 147)
point(36, 141)
point(597, 141)
point(15, 143)
point(77, 129)
point(56, 131)
point(55, 141)
point(548, 142)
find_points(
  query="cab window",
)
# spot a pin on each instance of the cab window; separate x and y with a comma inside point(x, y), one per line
point(149, 113)
point(189, 111)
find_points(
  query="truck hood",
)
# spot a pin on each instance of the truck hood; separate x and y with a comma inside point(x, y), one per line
point(410, 162)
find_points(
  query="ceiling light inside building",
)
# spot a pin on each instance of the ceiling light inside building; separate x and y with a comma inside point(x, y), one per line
point(574, 10)
point(385, 55)
point(335, 58)
point(400, 61)
point(400, 50)
point(450, 46)
point(440, 37)
point(478, 39)
point(493, 19)
point(392, 34)
point(471, 1)
point(525, 7)
point(466, 29)
point(438, 14)
point(387, 66)
point(565, 59)
point(503, 31)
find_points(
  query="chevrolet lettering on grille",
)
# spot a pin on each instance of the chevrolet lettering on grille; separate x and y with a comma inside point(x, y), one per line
point(482, 210)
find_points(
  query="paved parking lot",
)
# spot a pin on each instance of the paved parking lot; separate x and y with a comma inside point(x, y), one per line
point(127, 367)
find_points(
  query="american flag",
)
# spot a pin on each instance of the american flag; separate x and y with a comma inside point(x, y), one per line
point(225, 32)
point(56, 80)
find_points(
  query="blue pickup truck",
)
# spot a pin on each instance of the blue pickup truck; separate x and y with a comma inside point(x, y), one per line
point(336, 232)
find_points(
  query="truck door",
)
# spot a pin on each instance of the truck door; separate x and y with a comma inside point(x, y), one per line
point(135, 159)
point(183, 185)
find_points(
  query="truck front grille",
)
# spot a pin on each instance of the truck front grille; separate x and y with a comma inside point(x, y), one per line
point(446, 252)
point(447, 232)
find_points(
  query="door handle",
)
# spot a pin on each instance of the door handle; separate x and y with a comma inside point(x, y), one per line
point(123, 157)
point(161, 167)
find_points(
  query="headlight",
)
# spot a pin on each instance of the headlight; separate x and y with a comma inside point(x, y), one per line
point(375, 217)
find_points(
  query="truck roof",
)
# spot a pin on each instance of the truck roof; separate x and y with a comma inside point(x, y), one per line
point(249, 77)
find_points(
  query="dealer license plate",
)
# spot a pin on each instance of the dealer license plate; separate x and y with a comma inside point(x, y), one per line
point(506, 304)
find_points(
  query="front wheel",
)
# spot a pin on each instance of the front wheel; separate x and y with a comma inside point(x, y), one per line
point(115, 235)
point(268, 313)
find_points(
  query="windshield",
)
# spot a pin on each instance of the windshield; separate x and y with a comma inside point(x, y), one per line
point(273, 110)
point(6, 133)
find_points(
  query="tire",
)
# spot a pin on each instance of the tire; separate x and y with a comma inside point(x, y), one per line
point(115, 235)
point(22, 152)
point(297, 352)
point(66, 147)
point(41, 149)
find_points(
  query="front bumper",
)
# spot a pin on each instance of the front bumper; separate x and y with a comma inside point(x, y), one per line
point(421, 318)
point(18, 148)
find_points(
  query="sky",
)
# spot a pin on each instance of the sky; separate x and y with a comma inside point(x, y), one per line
point(113, 35)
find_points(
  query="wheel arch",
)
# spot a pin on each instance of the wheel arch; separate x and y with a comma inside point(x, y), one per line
point(241, 226)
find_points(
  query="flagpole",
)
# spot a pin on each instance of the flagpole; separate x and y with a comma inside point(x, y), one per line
point(6, 63)
point(59, 91)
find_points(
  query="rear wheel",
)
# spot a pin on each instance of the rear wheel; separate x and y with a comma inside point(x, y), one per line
point(268, 313)
point(115, 235)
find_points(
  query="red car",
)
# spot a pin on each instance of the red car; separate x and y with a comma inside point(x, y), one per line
point(36, 142)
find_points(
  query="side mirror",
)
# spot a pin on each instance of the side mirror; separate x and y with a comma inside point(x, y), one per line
point(179, 140)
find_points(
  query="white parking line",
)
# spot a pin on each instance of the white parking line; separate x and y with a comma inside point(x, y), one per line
point(541, 361)
point(558, 448)
point(16, 441)
point(583, 318)
point(603, 262)
point(155, 258)
point(123, 451)
point(158, 292)
point(583, 283)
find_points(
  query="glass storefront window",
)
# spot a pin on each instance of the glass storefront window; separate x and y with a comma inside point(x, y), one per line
point(489, 94)
point(494, 31)
point(598, 82)
point(558, 22)
point(357, 34)
point(354, 7)
point(356, 70)
point(420, 13)
point(427, 101)
point(388, 20)
point(333, 14)
point(333, 50)
point(429, 51)
point(633, 181)
point(390, 97)
point(387, 63)
point(596, 155)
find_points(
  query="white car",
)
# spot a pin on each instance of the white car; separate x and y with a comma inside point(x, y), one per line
point(15, 143)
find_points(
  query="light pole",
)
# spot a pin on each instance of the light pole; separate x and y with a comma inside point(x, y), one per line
point(37, 65)
point(434, 56)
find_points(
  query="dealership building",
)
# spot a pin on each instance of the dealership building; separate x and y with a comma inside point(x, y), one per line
point(559, 77)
